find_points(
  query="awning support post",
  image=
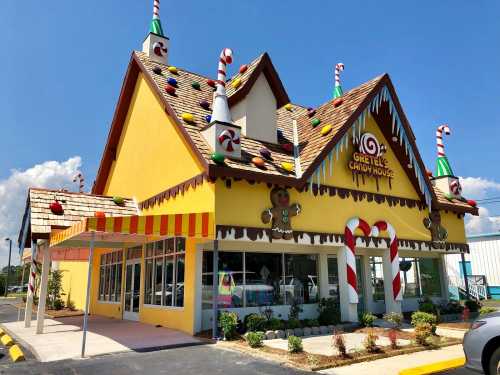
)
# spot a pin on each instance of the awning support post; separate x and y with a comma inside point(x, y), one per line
point(87, 301)
point(43, 288)
point(31, 287)
point(215, 289)
point(466, 279)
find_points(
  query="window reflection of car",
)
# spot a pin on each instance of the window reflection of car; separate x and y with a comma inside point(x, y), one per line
point(293, 287)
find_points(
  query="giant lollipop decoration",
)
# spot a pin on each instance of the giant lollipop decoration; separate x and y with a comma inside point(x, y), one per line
point(228, 138)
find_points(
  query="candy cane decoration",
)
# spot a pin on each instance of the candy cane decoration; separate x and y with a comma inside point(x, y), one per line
point(220, 107)
point(439, 138)
point(350, 253)
point(156, 9)
point(155, 26)
point(228, 138)
point(381, 226)
point(32, 279)
point(81, 182)
point(338, 89)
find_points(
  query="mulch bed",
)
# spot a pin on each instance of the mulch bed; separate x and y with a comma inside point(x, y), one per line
point(455, 325)
point(63, 313)
point(402, 335)
point(315, 362)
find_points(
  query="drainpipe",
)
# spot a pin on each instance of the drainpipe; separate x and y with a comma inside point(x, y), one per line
point(466, 279)
point(215, 289)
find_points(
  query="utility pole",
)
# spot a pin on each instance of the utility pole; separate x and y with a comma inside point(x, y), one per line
point(8, 267)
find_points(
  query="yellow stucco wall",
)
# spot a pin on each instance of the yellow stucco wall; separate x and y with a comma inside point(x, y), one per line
point(151, 154)
point(74, 282)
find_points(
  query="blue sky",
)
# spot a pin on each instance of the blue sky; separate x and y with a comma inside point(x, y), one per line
point(63, 63)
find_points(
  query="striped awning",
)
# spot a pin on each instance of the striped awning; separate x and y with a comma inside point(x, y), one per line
point(127, 231)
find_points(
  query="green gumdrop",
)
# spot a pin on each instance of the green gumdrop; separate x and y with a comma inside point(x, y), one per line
point(315, 122)
point(195, 85)
point(118, 200)
point(218, 158)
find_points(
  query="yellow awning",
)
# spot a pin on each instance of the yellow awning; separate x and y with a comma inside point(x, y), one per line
point(126, 231)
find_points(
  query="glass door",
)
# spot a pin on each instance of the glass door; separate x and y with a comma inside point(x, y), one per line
point(132, 290)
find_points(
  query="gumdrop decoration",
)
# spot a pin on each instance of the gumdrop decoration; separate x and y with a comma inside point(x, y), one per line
point(157, 70)
point(265, 153)
point(287, 166)
point(288, 147)
point(56, 208)
point(188, 117)
point(100, 214)
point(243, 69)
point(326, 129)
point(211, 83)
point(205, 104)
point(315, 122)
point(288, 107)
point(279, 132)
point(172, 81)
point(337, 92)
point(173, 70)
point(472, 202)
point(119, 201)
point(195, 85)
point(170, 89)
point(236, 83)
point(208, 118)
point(311, 112)
point(259, 162)
point(337, 102)
point(218, 158)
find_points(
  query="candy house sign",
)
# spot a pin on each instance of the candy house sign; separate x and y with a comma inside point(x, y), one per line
point(368, 160)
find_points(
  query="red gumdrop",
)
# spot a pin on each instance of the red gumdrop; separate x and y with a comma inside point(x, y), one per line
point(211, 83)
point(288, 147)
point(243, 68)
point(471, 202)
point(170, 89)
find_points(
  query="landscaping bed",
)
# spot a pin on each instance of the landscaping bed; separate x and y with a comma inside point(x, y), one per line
point(456, 325)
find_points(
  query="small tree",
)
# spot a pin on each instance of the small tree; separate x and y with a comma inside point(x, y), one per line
point(55, 290)
point(338, 342)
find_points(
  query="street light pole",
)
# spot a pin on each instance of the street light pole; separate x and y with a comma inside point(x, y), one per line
point(8, 267)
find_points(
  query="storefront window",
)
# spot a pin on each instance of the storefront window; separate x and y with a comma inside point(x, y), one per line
point(377, 276)
point(409, 277)
point(110, 276)
point(333, 279)
point(164, 284)
point(263, 277)
point(430, 279)
point(301, 280)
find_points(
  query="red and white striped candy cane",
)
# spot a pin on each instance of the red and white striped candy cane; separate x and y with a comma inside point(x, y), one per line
point(156, 9)
point(338, 68)
point(381, 226)
point(32, 279)
point(439, 138)
point(226, 57)
point(81, 182)
point(350, 253)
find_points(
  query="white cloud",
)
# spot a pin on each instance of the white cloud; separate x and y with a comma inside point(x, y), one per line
point(13, 194)
point(480, 188)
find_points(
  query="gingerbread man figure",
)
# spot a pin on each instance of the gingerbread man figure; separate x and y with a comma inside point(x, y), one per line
point(438, 233)
point(280, 214)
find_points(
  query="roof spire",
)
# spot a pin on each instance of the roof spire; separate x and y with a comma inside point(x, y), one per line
point(220, 107)
point(155, 26)
point(338, 89)
point(443, 167)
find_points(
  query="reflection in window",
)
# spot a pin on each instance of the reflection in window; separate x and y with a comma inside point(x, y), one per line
point(377, 276)
point(409, 277)
point(110, 276)
point(430, 279)
point(333, 279)
point(301, 280)
point(263, 275)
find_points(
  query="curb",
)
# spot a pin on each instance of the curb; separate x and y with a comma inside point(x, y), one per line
point(434, 367)
point(16, 354)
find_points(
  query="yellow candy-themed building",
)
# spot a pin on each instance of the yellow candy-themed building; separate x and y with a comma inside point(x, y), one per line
point(194, 204)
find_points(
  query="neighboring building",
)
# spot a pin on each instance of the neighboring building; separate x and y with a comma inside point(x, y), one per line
point(288, 188)
point(481, 265)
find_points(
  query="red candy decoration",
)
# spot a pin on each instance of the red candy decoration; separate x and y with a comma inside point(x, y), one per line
point(170, 89)
point(338, 102)
point(99, 214)
point(211, 83)
point(471, 202)
point(56, 208)
point(288, 147)
point(243, 68)
point(428, 172)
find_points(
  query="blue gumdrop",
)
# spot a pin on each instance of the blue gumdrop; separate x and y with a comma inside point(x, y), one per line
point(208, 118)
point(172, 81)
point(280, 133)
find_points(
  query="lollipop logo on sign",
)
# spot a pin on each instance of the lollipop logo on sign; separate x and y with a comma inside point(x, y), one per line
point(369, 159)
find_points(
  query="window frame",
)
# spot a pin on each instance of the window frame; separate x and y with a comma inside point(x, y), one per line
point(110, 265)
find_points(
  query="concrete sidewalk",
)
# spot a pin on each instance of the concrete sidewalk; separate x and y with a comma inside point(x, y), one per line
point(62, 338)
point(393, 365)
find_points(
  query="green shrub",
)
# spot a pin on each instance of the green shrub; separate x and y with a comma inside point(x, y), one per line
point(293, 323)
point(367, 319)
point(329, 312)
point(419, 317)
point(486, 310)
point(451, 307)
point(473, 305)
point(311, 323)
point(295, 309)
point(228, 321)
point(255, 322)
point(254, 339)
point(274, 324)
point(426, 305)
point(370, 342)
point(294, 344)
point(58, 304)
point(394, 318)
point(423, 331)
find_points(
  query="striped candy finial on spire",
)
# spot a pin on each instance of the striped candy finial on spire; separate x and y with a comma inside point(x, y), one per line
point(81, 182)
point(155, 26)
point(338, 89)
point(443, 167)
point(220, 107)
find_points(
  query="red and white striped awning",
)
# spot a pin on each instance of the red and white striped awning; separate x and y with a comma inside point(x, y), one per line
point(127, 231)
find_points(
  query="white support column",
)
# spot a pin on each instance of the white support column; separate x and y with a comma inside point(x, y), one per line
point(32, 278)
point(391, 305)
point(43, 288)
point(348, 311)
point(367, 274)
point(324, 290)
point(445, 282)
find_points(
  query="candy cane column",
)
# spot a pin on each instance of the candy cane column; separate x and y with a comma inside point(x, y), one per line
point(338, 89)
point(220, 107)
point(31, 287)
point(393, 292)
